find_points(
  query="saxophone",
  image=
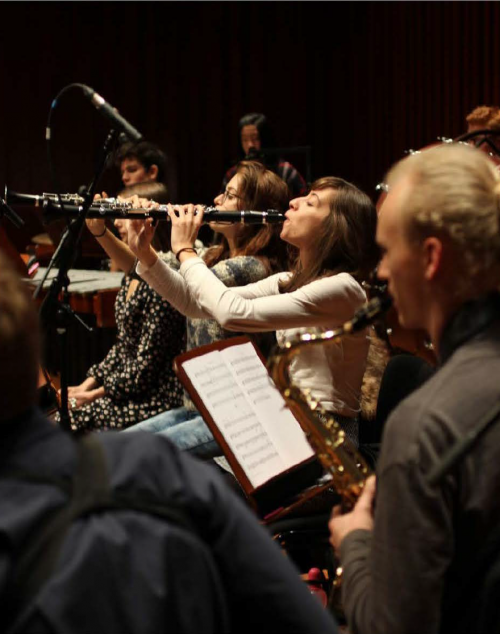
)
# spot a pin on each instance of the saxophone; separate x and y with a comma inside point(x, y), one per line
point(335, 451)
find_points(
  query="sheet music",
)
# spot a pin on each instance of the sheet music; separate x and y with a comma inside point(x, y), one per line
point(248, 409)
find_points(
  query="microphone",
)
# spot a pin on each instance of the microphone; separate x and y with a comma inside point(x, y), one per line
point(116, 119)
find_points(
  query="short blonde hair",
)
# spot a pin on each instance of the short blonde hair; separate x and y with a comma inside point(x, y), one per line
point(19, 344)
point(455, 191)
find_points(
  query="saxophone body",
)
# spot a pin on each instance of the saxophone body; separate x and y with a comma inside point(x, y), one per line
point(338, 455)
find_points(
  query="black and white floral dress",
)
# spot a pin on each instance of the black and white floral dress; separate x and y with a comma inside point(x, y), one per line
point(137, 373)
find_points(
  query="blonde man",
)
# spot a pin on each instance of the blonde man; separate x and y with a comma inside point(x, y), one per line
point(417, 558)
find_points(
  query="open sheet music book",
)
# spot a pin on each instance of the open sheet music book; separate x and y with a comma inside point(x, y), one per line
point(260, 437)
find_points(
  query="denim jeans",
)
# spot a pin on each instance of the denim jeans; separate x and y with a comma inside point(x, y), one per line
point(185, 428)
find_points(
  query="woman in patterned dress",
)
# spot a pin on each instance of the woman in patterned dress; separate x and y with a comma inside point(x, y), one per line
point(136, 379)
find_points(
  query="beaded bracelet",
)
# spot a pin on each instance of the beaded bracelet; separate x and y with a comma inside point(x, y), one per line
point(100, 234)
point(184, 249)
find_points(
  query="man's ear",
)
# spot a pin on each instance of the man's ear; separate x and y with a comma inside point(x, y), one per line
point(433, 257)
point(153, 172)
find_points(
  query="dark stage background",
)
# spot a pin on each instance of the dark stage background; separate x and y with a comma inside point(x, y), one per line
point(359, 82)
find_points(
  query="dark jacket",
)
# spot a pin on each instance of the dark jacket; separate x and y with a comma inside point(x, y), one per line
point(125, 571)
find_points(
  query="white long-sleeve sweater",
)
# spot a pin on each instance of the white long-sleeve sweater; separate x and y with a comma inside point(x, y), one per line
point(333, 373)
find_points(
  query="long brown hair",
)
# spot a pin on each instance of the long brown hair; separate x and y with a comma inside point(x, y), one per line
point(346, 241)
point(259, 189)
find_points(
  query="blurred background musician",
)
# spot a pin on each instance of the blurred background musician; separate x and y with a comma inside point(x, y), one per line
point(141, 162)
point(136, 379)
point(254, 136)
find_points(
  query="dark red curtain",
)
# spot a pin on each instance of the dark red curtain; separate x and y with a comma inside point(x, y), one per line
point(359, 82)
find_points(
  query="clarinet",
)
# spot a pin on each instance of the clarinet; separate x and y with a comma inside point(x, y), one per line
point(109, 208)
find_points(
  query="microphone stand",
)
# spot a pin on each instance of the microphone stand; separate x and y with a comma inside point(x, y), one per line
point(53, 309)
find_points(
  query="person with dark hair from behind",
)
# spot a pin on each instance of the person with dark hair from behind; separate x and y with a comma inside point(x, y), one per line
point(422, 555)
point(140, 162)
point(136, 379)
point(123, 533)
point(255, 135)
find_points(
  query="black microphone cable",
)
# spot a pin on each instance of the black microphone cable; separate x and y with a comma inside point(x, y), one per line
point(48, 138)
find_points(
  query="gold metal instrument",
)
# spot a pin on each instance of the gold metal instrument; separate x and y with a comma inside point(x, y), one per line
point(336, 452)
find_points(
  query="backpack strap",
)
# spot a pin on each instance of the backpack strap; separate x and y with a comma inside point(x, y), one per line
point(89, 493)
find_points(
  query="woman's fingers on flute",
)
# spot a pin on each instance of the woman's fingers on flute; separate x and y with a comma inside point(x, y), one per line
point(200, 210)
point(96, 226)
point(171, 210)
point(135, 226)
point(148, 204)
point(195, 214)
point(134, 201)
point(140, 236)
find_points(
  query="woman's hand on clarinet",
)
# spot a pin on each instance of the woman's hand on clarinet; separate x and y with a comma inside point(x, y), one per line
point(141, 232)
point(186, 222)
point(97, 226)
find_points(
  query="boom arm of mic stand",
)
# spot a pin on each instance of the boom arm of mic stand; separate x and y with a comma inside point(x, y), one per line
point(57, 311)
point(66, 253)
point(52, 262)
